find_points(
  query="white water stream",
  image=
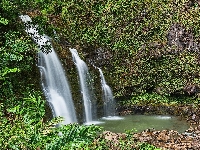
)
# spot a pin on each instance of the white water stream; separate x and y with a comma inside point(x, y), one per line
point(54, 82)
point(109, 102)
point(84, 79)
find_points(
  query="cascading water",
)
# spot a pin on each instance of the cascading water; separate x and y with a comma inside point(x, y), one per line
point(54, 82)
point(86, 92)
point(109, 102)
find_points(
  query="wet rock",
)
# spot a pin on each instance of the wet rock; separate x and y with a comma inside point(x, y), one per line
point(181, 38)
point(191, 89)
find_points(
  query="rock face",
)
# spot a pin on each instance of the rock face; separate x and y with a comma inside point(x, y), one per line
point(182, 39)
point(191, 89)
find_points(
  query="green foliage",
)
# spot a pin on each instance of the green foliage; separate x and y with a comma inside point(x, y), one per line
point(3, 21)
point(74, 137)
point(145, 146)
point(157, 99)
point(134, 34)
point(22, 127)
point(20, 124)
point(17, 58)
point(115, 24)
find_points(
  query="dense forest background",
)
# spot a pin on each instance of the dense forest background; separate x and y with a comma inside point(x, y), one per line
point(142, 47)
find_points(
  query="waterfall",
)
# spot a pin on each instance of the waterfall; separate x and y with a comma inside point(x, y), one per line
point(109, 102)
point(54, 82)
point(84, 79)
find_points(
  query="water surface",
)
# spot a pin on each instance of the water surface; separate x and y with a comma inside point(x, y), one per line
point(142, 122)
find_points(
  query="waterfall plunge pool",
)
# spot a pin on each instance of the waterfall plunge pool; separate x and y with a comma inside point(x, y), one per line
point(141, 122)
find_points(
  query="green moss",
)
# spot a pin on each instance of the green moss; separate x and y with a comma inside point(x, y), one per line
point(155, 99)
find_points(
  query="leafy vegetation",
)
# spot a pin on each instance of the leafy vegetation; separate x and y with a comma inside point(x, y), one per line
point(145, 45)
point(139, 41)
point(156, 99)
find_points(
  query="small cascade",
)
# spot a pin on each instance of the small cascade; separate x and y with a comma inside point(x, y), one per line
point(54, 82)
point(109, 102)
point(86, 91)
